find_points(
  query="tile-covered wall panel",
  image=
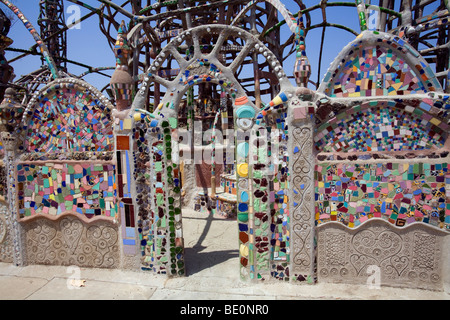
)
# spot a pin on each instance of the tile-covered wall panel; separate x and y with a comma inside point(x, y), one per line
point(88, 189)
point(401, 193)
point(68, 117)
point(382, 126)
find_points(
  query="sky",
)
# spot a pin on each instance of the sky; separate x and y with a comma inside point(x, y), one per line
point(88, 45)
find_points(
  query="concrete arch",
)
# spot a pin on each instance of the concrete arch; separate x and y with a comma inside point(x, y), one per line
point(198, 69)
point(206, 65)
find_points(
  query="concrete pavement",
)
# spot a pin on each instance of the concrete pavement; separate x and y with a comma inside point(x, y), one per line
point(212, 274)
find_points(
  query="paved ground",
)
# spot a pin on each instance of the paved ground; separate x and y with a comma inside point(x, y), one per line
point(212, 274)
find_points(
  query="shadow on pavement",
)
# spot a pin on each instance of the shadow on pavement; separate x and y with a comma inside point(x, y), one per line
point(200, 257)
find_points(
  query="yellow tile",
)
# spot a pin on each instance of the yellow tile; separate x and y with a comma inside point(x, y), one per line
point(435, 121)
point(127, 124)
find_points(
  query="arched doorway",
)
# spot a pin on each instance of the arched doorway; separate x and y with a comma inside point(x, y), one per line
point(165, 249)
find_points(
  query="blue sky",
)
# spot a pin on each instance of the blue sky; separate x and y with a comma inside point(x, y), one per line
point(88, 45)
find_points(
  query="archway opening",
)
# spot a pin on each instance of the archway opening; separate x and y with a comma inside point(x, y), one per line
point(208, 182)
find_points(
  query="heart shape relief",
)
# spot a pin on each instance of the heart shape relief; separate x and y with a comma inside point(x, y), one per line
point(71, 231)
point(378, 248)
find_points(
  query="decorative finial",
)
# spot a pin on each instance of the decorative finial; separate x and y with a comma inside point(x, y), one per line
point(121, 80)
point(302, 68)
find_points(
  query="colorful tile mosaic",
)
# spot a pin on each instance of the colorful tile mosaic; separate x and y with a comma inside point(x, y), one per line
point(69, 117)
point(124, 191)
point(365, 69)
point(261, 222)
point(164, 244)
point(142, 174)
point(54, 188)
point(375, 71)
point(401, 193)
point(270, 223)
point(246, 229)
point(381, 126)
point(137, 177)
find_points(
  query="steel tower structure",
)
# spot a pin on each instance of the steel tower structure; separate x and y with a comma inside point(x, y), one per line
point(53, 30)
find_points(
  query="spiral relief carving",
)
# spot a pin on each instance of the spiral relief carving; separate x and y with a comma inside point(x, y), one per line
point(3, 229)
point(104, 240)
point(405, 257)
point(71, 231)
point(71, 242)
point(303, 140)
point(6, 237)
point(303, 198)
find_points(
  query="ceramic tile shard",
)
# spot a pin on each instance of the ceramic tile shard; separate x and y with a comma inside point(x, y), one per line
point(51, 189)
point(69, 119)
point(400, 193)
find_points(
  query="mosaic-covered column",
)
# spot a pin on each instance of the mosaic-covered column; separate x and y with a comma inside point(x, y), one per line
point(261, 199)
point(126, 188)
point(167, 246)
point(301, 168)
point(243, 116)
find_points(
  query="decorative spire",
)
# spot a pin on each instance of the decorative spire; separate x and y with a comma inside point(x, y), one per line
point(121, 80)
point(361, 7)
point(302, 68)
point(122, 49)
point(11, 111)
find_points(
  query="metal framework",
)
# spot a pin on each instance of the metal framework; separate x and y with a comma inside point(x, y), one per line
point(51, 21)
point(182, 60)
point(153, 24)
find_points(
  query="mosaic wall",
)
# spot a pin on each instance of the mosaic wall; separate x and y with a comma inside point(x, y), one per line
point(279, 200)
point(375, 71)
point(400, 193)
point(6, 235)
point(125, 188)
point(260, 225)
point(274, 169)
point(68, 117)
point(378, 69)
point(88, 189)
point(382, 126)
